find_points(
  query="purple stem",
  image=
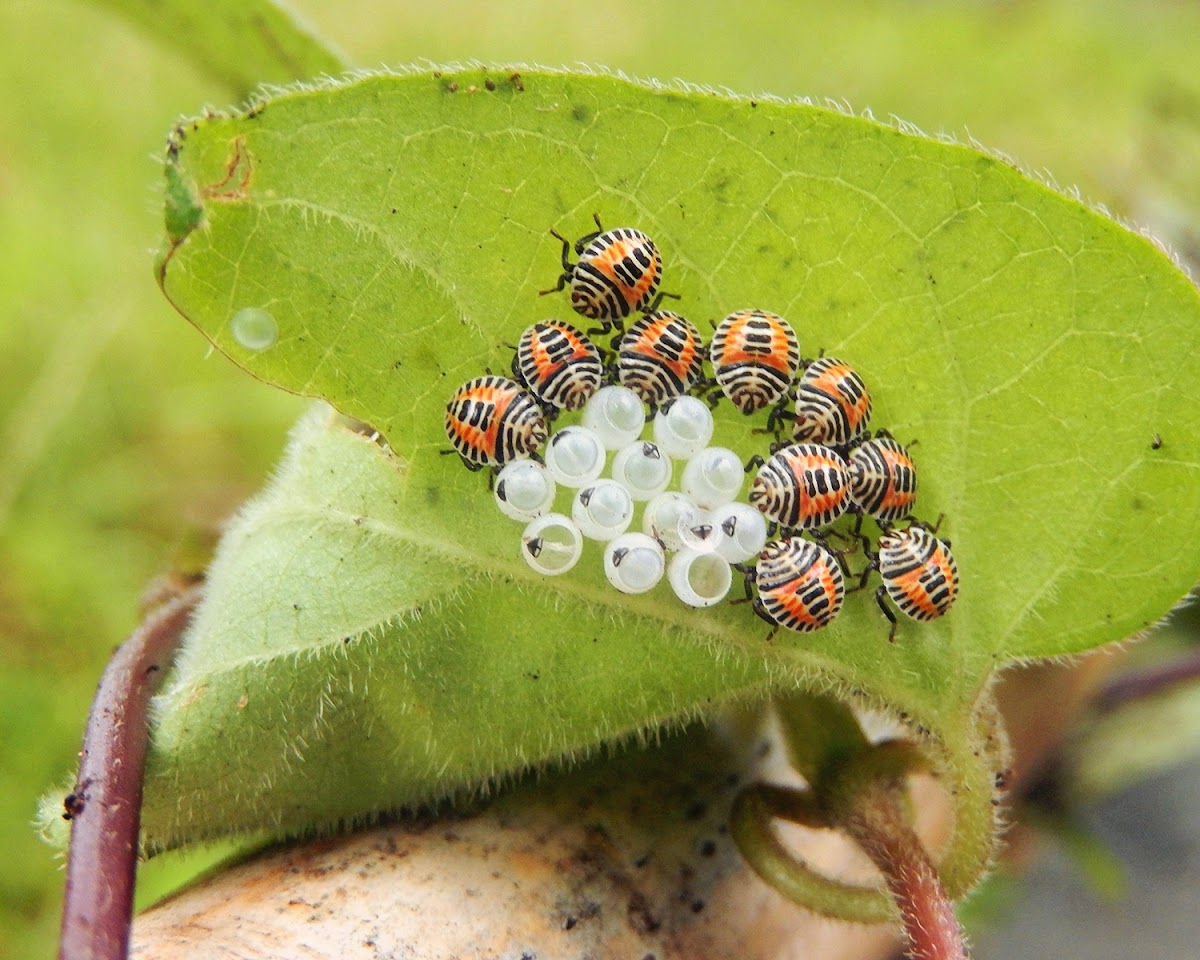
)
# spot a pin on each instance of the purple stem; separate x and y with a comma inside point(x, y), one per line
point(1149, 681)
point(105, 807)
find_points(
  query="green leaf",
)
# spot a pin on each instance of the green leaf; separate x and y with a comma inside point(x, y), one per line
point(345, 661)
point(390, 235)
point(241, 42)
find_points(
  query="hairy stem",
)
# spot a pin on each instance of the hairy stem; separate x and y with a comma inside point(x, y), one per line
point(876, 823)
point(105, 806)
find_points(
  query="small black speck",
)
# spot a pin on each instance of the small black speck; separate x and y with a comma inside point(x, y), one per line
point(535, 676)
point(346, 639)
point(642, 861)
point(580, 113)
point(697, 906)
point(569, 923)
point(708, 849)
point(696, 811)
point(753, 104)
point(393, 209)
point(490, 83)
point(296, 607)
point(1157, 442)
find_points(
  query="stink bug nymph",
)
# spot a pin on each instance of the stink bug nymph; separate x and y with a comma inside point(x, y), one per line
point(617, 272)
point(754, 356)
point(804, 486)
point(558, 364)
point(918, 573)
point(491, 420)
point(833, 405)
point(800, 585)
point(883, 479)
point(660, 357)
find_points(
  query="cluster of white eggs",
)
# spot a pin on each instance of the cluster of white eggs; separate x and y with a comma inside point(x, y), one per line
point(691, 535)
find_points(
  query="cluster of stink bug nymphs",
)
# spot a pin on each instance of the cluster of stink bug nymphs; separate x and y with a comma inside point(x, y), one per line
point(647, 405)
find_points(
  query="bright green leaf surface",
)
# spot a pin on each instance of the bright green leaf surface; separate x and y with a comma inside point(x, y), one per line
point(242, 42)
point(395, 231)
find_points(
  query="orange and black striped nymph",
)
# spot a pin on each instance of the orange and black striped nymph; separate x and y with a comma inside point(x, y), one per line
point(833, 405)
point(918, 573)
point(558, 364)
point(800, 585)
point(660, 357)
point(491, 420)
point(883, 479)
point(618, 272)
point(755, 356)
point(804, 486)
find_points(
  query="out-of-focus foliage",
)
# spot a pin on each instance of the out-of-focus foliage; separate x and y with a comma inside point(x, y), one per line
point(118, 440)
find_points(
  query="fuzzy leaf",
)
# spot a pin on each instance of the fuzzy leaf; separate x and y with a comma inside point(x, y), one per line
point(387, 238)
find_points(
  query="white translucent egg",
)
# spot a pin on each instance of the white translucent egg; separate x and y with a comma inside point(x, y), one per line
point(713, 477)
point(661, 518)
point(697, 532)
point(634, 562)
point(740, 531)
point(575, 456)
point(602, 510)
point(552, 544)
point(643, 469)
point(617, 414)
point(699, 579)
point(524, 489)
point(684, 428)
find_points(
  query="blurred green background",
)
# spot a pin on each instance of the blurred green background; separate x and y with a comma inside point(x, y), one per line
point(123, 443)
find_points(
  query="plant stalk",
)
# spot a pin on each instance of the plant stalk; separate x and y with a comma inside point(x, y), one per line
point(876, 823)
point(105, 806)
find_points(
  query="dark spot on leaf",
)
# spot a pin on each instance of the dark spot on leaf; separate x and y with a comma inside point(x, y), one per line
point(580, 113)
point(1137, 504)
point(1157, 442)
point(640, 917)
point(452, 87)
